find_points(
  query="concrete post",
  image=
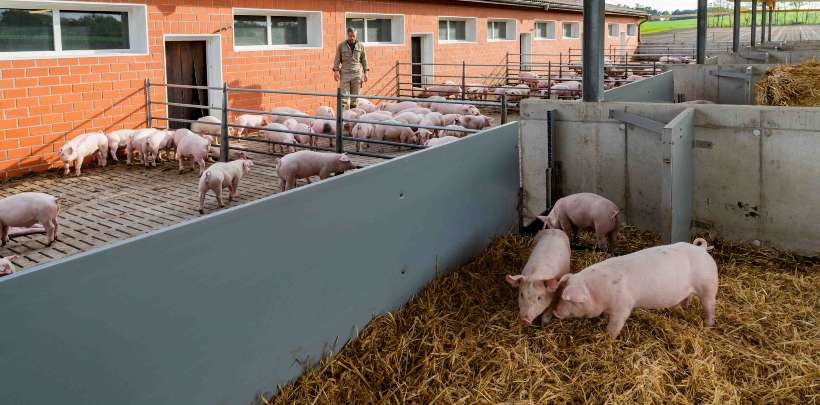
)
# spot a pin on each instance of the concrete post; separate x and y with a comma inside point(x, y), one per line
point(736, 28)
point(754, 23)
point(593, 50)
point(702, 15)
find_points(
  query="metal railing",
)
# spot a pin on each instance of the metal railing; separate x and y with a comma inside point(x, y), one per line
point(336, 140)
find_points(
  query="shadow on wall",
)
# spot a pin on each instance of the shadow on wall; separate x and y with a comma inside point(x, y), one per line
point(382, 86)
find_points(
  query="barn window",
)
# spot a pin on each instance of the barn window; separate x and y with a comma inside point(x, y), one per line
point(500, 30)
point(545, 30)
point(631, 30)
point(377, 29)
point(259, 29)
point(572, 29)
point(37, 29)
point(456, 29)
point(613, 29)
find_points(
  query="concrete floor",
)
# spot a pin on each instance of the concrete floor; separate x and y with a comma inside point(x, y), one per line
point(723, 36)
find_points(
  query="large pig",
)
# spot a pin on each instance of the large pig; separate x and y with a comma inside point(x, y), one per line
point(366, 105)
point(585, 212)
point(158, 140)
point(538, 281)
point(119, 139)
point(440, 141)
point(6, 266)
point(462, 109)
point(447, 89)
point(303, 138)
point(207, 125)
point(528, 78)
point(396, 108)
point(362, 131)
point(248, 120)
point(275, 117)
point(191, 146)
point(477, 121)
point(395, 133)
point(653, 278)
point(76, 150)
point(418, 110)
point(306, 163)
point(409, 118)
point(325, 127)
point(453, 119)
point(377, 116)
point(275, 133)
point(222, 175)
point(26, 209)
point(325, 111)
point(138, 139)
point(567, 89)
point(430, 100)
point(475, 92)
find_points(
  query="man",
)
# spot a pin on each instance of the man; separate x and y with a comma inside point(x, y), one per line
point(350, 67)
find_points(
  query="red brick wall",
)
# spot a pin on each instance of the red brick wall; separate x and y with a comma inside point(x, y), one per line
point(47, 101)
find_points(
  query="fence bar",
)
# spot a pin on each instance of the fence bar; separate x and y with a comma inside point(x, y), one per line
point(401, 124)
point(224, 148)
point(397, 79)
point(463, 79)
point(185, 86)
point(339, 124)
point(202, 107)
point(503, 108)
point(148, 120)
point(754, 24)
point(286, 92)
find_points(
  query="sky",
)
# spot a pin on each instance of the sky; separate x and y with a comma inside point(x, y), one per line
point(661, 5)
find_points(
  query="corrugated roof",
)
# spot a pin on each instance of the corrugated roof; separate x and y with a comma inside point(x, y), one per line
point(567, 5)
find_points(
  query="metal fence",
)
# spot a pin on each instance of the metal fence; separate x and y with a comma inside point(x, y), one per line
point(336, 139)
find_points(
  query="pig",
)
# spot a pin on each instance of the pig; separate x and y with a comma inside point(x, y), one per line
point(6, 266)
point(453, 119)
point(377, 116)
point(634, 78)
point(430, 100)
point(538, 281)
point(154, 143)
point(454, 130)
point(249, 120)
point(302, 138)
point(275, 117)
point(365, 105)
point(75, 151)
point(306, 163)
point(363, 131)
point(222, 175)
point(27, 209)
point(325, 111)
point(423, 135)
point(447, 89)
point(440, 141)
point(119, 139)
point(409, 118)
point(567, 89)
point(395, 133)
point(515, 93)
point(585, 211)
point(136, 144)
point(274, 133)
point(396, 108)
point(447, 108)
point(207, 125)
point(192, 146)
point(418, 110)
point(326, 127)
point(477, 121)
point(653, 278)
point(528, 78)
point(475, 92)
point(214, 154)
point(352, 114)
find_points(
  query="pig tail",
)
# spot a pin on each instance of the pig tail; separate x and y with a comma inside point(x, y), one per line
point(700, 242)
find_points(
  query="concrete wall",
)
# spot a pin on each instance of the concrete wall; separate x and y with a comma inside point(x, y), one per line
point(656, 89)
point(755, 177)
point(214, 310)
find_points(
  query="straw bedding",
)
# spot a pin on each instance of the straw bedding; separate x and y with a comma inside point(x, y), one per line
point(459, 341)
point(791, 85)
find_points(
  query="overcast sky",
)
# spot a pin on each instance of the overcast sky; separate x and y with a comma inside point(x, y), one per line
point(662, 5)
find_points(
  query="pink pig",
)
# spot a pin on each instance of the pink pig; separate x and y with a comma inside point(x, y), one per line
point(193, 146)
point(653, 278)
point(447, 108)
point(76, 150)
point(222, 175)
point(585, 211)
point(119, 139)
point(306, 163)
point(6, 266)
point(26, 209)
point(248, 120)
point(538, 281)
point(477, 121)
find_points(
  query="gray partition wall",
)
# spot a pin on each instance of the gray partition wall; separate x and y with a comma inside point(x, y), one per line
point(656, 89)
point(217, 309)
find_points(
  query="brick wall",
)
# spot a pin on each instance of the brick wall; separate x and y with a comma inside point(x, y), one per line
point(47, 101)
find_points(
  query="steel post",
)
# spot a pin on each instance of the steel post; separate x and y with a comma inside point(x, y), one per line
point(702, 21)
point(339, 123)
point(736, 28)
point(593, 62)
point(148, 119)
point(503, 108)
point(224, 148)
point(754, 24)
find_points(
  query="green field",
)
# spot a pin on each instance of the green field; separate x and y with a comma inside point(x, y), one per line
point(726, 21)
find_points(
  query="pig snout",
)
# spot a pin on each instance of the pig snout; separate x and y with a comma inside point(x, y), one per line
point(526, 322)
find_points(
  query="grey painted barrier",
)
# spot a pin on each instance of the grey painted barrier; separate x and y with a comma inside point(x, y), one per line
point(215, 310)
point(753, 169)
point(656, 89)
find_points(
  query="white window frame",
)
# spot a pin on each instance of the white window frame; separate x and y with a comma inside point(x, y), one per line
point(512, 29)
point(470, 30)
point(575, 23)
point(396, 27)
point(554, 27)
point(137, 28)
point(314, 28)
point(634, 27)
point(609, 30)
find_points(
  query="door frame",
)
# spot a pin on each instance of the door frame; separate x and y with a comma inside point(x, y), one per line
point(428, 55)
point(525, 58)
point(213, 65)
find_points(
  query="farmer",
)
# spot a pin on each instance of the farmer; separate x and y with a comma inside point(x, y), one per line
point(350, 66)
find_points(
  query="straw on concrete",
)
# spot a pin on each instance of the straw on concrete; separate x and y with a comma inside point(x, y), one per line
point(791, 85)
point(459, 341)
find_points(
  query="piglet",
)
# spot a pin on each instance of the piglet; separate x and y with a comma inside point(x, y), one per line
point(362, 131)
point(462, 109)
point(137, 143)
point(366, 105)
point(119, 139)
point(207, 125)
point(306, 163)
point(653, 278)
point(440, 141)
point(26, 209)
point(248, 120)
point(454, 130)
point(538, 281)
point(155, 142)
point(6, 266)
point(76, 150)
point(477, 121)
point(274, 132)
point(586, 212)
point(191, 146)
point(222, 175)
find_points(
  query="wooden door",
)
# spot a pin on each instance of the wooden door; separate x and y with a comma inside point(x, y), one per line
point(415, 49)
point(185, 63)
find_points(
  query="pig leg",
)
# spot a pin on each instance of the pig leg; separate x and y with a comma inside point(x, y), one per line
point(601, 241)
point(707, 300)
point(181, 167)
point(612, 238)
point(78, 165)
point(55, 227)
point(617, 319)
point(201, 164)
point(218, 192)
point(101, 158)
point(67, 167)
point(49, 228)
point(4, 233)
point(202, 201)
point(232, 189)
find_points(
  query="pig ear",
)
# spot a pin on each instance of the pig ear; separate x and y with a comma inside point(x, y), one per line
point(514, 280)
point(552, 284)
point(575, 293)
point(343, 158)
point(544, 220)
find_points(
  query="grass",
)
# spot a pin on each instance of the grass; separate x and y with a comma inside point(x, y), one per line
point(649, 27)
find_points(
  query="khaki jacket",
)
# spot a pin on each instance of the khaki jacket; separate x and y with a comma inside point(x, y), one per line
point(352, 63)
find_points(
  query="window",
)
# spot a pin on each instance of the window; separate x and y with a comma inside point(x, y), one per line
point(572, 29)
point(631, 30)
point(456, 29)
point(258, 29)
point(54, 29)
point(500, 30)
point(545, 30)
point(613, 29)
point(377, 29)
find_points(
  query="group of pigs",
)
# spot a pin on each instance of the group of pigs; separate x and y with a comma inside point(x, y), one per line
point(657, 277)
